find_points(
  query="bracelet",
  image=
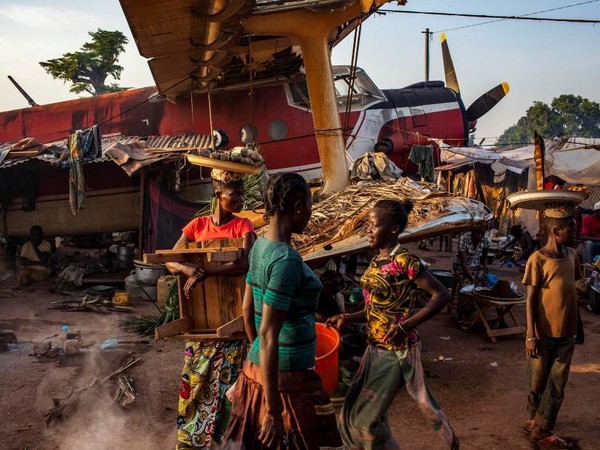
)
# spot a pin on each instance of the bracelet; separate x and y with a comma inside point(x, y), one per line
point(533, 338)
point(344, 316)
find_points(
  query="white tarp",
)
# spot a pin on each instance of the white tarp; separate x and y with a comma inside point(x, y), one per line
point(576, 160)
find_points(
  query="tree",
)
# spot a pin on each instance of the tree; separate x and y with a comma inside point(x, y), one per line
point(567, 115)
point(89, 67)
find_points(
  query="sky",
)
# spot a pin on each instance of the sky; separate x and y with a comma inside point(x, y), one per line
point(540, 60)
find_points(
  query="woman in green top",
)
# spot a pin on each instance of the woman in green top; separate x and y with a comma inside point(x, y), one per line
point(392, 284)
point(278, 400)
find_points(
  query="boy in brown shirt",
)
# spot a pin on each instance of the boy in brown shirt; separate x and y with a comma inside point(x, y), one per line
point(550, 277)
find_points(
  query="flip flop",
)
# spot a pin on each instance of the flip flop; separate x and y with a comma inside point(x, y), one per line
point(528, 427)
point(554, 441)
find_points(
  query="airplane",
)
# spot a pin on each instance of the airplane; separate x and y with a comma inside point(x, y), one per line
point(260, 95)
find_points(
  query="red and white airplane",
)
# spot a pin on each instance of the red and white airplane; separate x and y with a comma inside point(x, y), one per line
point(272, 108)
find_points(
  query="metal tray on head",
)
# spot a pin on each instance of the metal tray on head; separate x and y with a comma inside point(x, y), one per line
point(222, 165)
point(542, 199)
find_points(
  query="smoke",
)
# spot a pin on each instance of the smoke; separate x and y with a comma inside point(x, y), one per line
point(96, 421)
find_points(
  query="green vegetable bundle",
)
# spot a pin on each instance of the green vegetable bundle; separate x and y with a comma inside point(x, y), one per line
point(146, 325)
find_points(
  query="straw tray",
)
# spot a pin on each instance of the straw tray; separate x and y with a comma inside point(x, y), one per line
point(222, 165)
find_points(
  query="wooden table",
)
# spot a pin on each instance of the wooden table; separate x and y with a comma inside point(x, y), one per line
point(503, 308)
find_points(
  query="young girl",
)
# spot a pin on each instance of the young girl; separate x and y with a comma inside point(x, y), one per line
point(212, 366)
point(550, 276)
point(391, 286)
point(278, 400)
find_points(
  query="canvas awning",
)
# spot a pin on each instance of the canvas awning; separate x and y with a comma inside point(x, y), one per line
point(575, 160)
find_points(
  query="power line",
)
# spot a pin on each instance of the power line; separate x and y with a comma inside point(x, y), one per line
point(499, 18)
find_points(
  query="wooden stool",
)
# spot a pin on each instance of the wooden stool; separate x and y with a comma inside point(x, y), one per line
point(503, 308)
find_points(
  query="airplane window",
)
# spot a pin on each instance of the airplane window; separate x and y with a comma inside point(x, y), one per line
point(248, 134)
point(278, 130)
point(364, 92)
point(298, 91)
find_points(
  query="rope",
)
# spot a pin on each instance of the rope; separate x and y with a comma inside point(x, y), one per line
point(210, 121)
point(354, 60)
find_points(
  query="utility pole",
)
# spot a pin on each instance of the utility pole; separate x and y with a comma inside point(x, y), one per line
point(427, 33)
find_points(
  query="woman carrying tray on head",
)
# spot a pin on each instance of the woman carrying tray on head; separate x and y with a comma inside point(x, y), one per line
point(212, 366)
point(392, 284)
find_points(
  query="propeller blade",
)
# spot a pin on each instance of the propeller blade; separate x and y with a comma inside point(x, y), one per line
point(450, 74)
point(487, 101)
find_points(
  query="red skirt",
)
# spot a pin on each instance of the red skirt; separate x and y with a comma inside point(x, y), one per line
point(308, 415)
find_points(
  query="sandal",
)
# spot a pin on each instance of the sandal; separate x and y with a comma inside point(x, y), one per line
point(455, 443)
point(528, 427)
point(554, 441)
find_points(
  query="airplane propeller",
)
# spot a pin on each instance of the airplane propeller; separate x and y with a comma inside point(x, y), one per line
point(487, 101)
point(450, 74)
point(484, 103)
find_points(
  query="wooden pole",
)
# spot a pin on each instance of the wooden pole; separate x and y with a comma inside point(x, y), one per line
point(539, 161)
point(141, 220)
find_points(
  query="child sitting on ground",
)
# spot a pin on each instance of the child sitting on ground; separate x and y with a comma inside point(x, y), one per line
point(34, 259)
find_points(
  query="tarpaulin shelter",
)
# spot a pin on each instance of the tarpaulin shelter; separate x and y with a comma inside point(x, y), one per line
point(491, 175)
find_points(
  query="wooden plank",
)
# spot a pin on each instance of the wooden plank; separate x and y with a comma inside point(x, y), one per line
point(198, 304)
point(224, 256)
point(202, 336)
point(172, 328)
point(185, 309)
point(186, 251)
point(227, 254)
point(213, 290)
point(155, 258)
point(234, 326)
point(223, 294)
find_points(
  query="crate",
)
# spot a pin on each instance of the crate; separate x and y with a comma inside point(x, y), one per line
point(214, 309)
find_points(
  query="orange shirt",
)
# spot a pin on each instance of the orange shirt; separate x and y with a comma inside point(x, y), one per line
point(203, 229)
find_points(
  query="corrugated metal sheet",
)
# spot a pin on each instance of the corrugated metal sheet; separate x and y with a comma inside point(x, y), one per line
point(198, 141)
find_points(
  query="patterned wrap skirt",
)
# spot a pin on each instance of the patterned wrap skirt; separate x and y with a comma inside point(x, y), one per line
point(363, 421)
point(211, 367)
point(308, 415)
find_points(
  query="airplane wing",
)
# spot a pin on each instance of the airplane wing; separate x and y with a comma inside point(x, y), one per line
point(201, 45)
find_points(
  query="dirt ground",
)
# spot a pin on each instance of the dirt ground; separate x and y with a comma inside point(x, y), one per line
point(482, 386)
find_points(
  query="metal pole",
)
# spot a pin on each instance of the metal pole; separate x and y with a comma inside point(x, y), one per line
point(427, 33)
point(23, 93)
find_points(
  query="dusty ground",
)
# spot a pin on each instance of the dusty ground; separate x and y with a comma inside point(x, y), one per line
point(482, 389)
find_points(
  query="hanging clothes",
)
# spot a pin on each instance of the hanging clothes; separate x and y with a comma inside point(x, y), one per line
point(422, 156)
point(81, 145)
point(374, 166)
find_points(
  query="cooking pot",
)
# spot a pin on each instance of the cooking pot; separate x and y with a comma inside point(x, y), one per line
point(148, 274)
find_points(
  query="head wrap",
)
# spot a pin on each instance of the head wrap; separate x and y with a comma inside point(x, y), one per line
point(225, 176)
